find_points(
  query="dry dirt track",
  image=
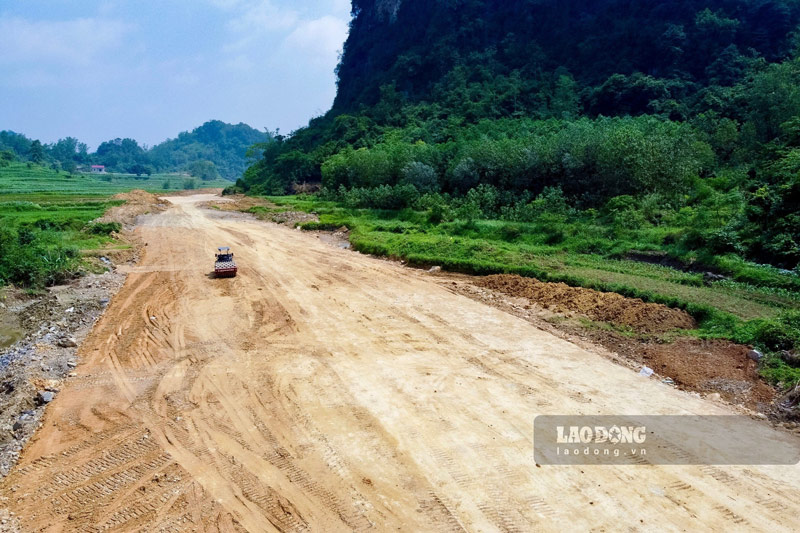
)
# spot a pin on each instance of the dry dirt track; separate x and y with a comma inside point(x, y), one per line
point(326, 391)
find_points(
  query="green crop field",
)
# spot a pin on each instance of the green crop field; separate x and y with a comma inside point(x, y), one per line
point(21, 179)
point(46, 218)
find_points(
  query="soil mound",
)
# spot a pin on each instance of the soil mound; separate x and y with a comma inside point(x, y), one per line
point(602, 306)
point(137, 202)
point(710, 366)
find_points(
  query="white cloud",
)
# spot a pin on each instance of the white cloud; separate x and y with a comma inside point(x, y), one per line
point(321, 39)
point(262, 15)
point(263, 32)
point(255, 21)
point(70, 43)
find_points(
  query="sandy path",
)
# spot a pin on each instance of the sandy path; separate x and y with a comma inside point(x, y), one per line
point(327, 391)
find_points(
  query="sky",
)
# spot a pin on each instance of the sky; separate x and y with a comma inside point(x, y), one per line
point(150, 69)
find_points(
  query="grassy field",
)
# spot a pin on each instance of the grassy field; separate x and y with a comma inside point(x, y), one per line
point(21, 179)
point(756, 304)
point(45, 219)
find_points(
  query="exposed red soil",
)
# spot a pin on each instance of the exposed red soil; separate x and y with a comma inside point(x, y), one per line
point(601, 306)
point(710, 366)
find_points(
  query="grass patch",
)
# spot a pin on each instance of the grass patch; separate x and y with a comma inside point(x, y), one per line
point(46, 217)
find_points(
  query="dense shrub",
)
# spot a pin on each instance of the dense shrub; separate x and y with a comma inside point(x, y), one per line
point(782, 333)
point(382, 197)
point(103, 228)
point(421, 176)
point(34, 258)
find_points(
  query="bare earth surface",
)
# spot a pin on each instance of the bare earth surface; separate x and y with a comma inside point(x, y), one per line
point(323, 390)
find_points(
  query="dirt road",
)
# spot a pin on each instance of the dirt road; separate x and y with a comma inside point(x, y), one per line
point(322, 390)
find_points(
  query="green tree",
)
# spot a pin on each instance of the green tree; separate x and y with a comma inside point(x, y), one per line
point(36, 152)
point(421, 176)
point(205, 170)
point(140, 169)
point(6, 157)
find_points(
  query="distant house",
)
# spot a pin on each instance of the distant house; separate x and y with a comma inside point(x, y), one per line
point(98, 169)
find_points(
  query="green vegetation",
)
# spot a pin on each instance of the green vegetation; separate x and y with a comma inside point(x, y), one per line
point(23, 178)
point(223, 145)
point(524, 96)
point(41, 237)
point(220, 150)
point(46, 219)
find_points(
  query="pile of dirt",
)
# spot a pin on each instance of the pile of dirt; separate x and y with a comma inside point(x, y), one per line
point(137, 203)
point(710, 366)
point(601, 306)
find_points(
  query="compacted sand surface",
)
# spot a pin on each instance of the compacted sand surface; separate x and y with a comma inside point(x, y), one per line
point(323, 390)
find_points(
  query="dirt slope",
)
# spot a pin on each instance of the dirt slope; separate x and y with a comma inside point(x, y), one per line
point(603, 306)
point(326, 391)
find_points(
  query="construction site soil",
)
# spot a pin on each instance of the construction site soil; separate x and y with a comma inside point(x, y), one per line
point(325, 390)
point(715, 368)
point(601, 306)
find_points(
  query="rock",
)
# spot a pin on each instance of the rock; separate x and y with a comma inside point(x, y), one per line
point(714, 397)
point(44, 397)
point(103, 301)
point(435, 269)
point(790, 358)
point(710, 277)
point(755, 355)
point(70, 310)
point(646, 372)
point(17, 426)
point(68, 342)
point(72, 364)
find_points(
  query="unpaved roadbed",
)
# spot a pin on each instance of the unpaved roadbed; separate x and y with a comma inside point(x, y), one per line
point(329, 391)
point(717, 369)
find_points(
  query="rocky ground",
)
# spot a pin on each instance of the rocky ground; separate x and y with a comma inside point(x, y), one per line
point(33, 370)
point(251, 205)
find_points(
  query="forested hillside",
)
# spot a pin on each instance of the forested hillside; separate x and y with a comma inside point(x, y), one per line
point(225, 145)
point(690, 108)
point(213, 150)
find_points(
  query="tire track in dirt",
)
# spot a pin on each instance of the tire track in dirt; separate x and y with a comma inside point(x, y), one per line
point(322, 390)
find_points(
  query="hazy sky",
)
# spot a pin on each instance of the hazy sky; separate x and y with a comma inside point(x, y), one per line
point(149, 69)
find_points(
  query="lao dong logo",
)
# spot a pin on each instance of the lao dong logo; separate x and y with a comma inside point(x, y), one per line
point(601, 435)
point(601, 440)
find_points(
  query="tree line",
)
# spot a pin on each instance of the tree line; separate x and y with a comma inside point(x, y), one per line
point(214, 150)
